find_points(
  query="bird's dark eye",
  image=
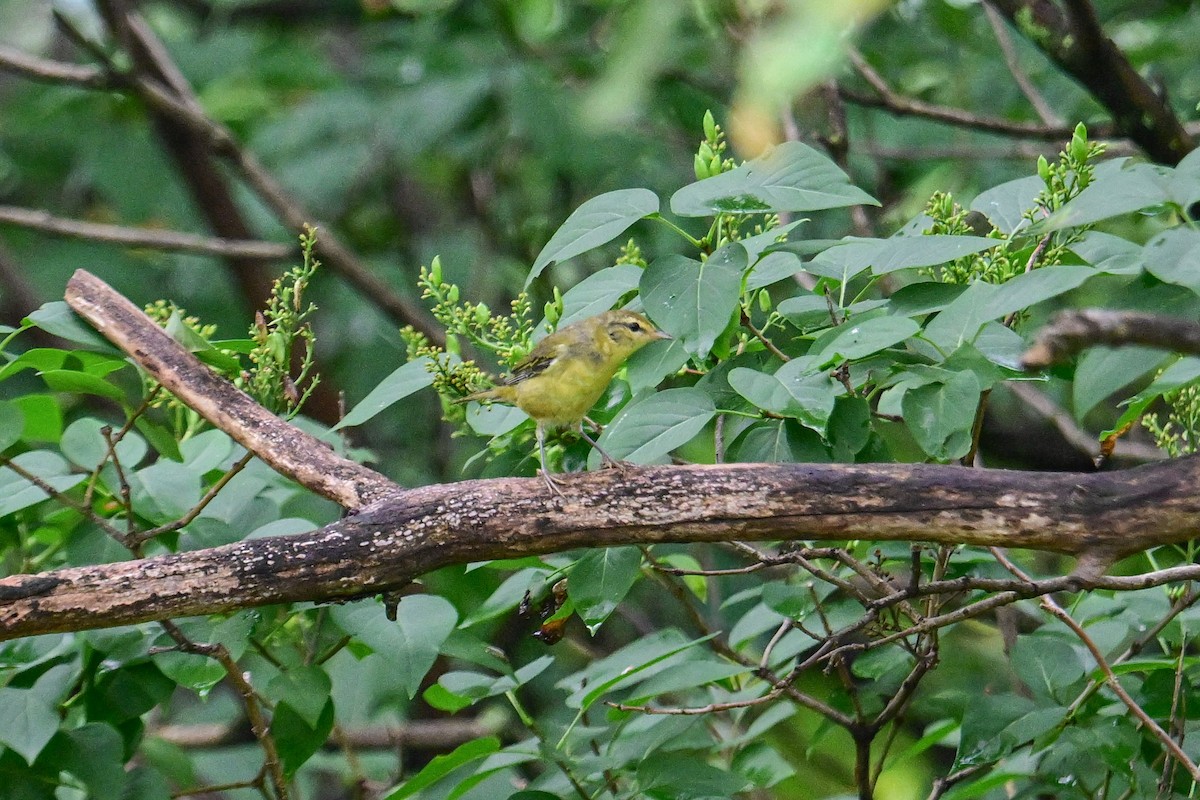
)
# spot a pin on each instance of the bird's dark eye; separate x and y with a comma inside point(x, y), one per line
point(634, 326)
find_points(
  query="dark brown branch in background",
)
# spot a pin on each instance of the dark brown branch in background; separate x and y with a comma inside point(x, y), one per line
point(177, 111)
point(1073, 38)
point(145, 237)
point(1072, 331)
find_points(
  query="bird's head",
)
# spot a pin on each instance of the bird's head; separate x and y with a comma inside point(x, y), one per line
point(627, 332)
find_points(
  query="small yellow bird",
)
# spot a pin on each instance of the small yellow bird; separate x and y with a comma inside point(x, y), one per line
point(565, 373)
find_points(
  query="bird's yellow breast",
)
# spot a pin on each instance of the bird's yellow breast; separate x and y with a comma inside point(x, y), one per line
point(566, 390)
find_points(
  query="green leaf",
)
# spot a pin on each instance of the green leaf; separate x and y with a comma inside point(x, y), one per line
point(12, 424)
point(776, 441)
point(806, 311)
point(408, 379)
point(72, 382)
point(1006, 204)
point(694, 301)
point(17, 493)
point(631, 665)
point(646, 368)
point(441, 766)
point(1120, 187)
point(596, 222)
point(856, 340)
point(43, 417)
point(687, 675)
point(772, 268)
point(411, 642)
point(57, 318)
point(926, 297)
point(961, 320)
point(165, 490)
point(599, 292)
point(648, 429)
point(791, 177)
point(600, 580)
point(791, 392)
point(27, 721)
point(305, 688)
point(297, 740)
point(1173, 256)
point(899, 252)
point(84, 444)
point(1049, 666)
point(941, 415)
point(1111, 254)
point(683, 777)
point(1103, 371)
point(93, 753)
point(190, 670)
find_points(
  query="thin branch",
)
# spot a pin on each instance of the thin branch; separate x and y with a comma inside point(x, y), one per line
point(250, 701)
point(1072, 331)
point(888, 99)
point(1012, 61)
point(46, 71)
point(1110, 677)
point(170, 241)
point(1081, 440)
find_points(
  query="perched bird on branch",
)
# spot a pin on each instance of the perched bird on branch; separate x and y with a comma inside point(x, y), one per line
point(565, 374)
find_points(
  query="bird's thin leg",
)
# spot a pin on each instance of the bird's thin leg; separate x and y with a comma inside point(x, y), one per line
point(609, 461)
point(541, 440)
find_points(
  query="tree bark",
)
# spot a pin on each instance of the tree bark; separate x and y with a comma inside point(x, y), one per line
point(1097, 517)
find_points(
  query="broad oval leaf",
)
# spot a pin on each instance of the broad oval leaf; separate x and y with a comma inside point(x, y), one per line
point(806, 396)
point(791, 177)
point(1173, 256)
point(1005, 205)
point(694, 301)
point(1119, 188)
point(411, 643)
point(601, 579)
point(941, 416)
point(647, 430)
point(859, 340)
point(408, 379)
point(84, 444)
point(854, 255)
point(12, 424)
point(981, 302)
point(596, 222)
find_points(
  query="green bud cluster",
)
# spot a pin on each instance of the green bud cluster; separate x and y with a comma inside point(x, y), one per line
point(1064, 179)
point(277, 332)
point(1179, 435)
point(710, 156)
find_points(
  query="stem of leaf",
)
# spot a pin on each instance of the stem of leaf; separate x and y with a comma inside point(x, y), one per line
point(693, 241)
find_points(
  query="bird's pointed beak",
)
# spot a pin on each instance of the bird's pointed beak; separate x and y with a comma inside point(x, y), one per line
point(662, 335)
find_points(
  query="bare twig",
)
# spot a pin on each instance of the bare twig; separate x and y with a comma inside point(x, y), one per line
point(885, 97)
point(169, 241)
point(46, 71)
point(1012, 61)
